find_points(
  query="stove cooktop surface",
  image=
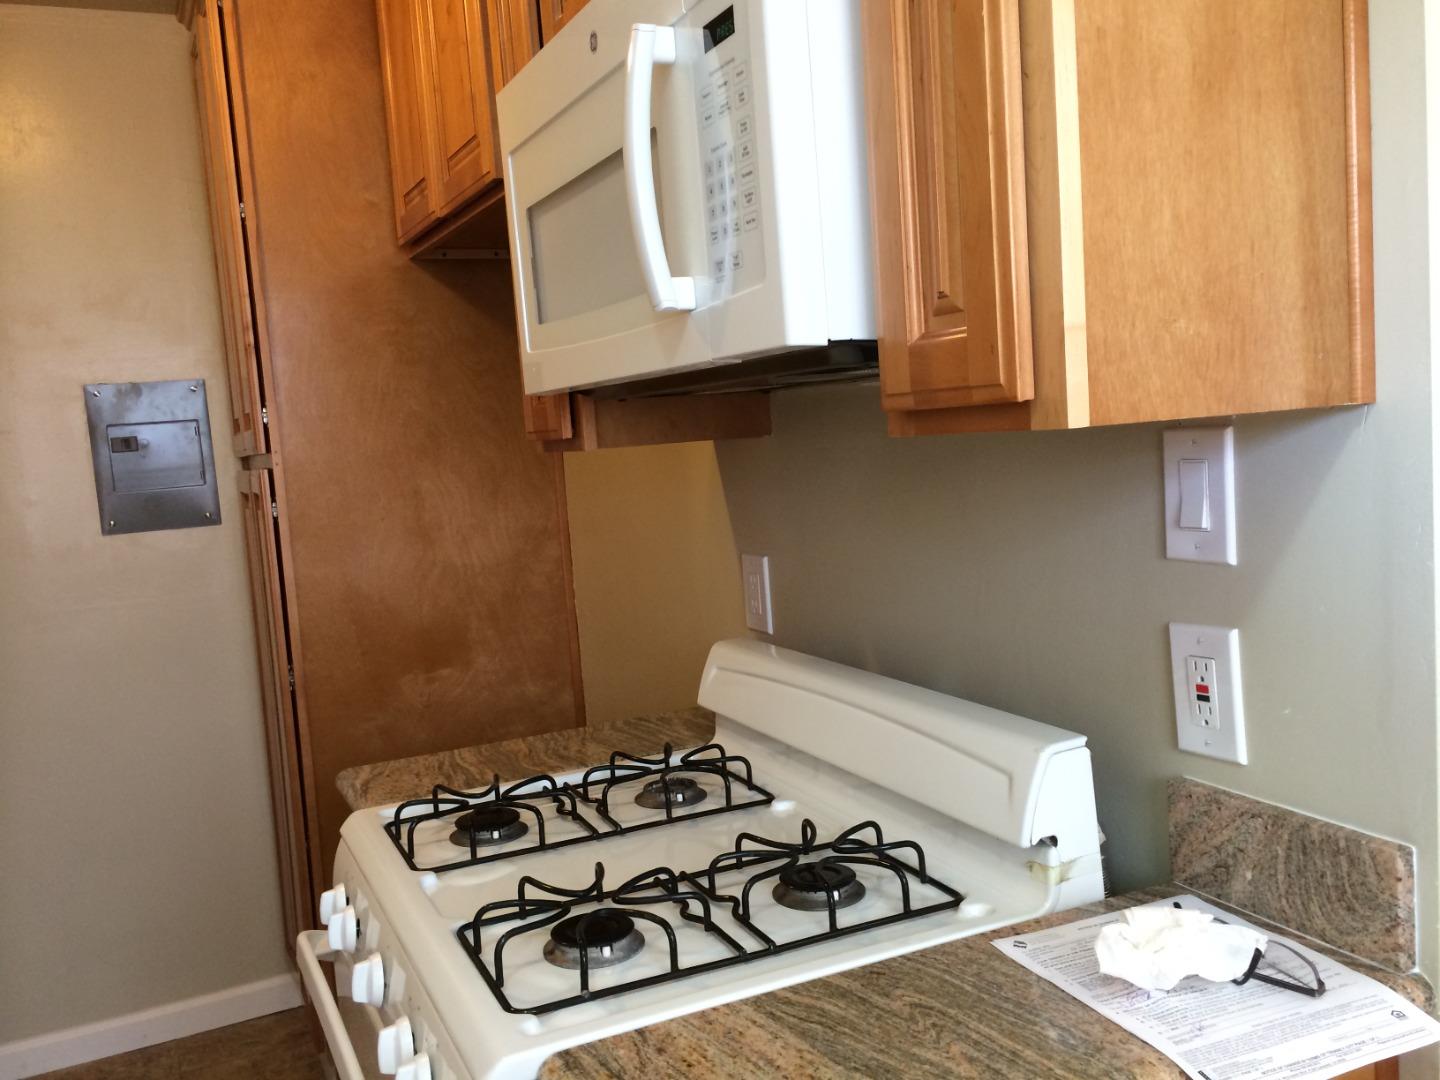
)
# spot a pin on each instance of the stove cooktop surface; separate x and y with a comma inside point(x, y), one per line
point(838, 819)
point(615, 883)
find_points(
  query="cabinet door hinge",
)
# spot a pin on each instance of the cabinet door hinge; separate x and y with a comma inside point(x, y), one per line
point(274, 510)
point(265, 415)
point(242, 211)
point(291, 669)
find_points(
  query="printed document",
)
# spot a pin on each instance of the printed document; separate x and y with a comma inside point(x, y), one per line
point(1220, 1031)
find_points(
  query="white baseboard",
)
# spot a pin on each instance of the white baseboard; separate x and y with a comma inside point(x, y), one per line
point(77, 1045)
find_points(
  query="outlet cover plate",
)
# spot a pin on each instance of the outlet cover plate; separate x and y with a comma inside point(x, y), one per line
point(1215, 728)
point(755, 574)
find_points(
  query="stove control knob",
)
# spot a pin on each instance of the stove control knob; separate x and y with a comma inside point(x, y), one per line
point(367, 980)
point(344, 930)
point(396, 1046)
point(416, 1069)
point(332, 901)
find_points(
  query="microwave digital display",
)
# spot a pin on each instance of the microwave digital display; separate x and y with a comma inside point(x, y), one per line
point(719, 28)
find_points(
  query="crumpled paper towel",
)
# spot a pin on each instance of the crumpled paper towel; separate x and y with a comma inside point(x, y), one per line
point(1156, 947)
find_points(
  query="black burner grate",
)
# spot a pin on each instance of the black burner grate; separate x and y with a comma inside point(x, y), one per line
point(621, 775)
point(694, 897)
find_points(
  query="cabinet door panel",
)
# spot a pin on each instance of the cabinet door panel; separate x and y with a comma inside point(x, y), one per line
point(554, 14)
point(514, 36)
point(281, 738)
point(948, 168)
point(548, 417)
point(1224, 153)
point(403, 69)
point(227, 232)
point(462, 117)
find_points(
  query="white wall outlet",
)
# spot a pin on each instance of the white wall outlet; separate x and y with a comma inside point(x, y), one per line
point(1209, 708)
point(755, 571)
point(1200, 494)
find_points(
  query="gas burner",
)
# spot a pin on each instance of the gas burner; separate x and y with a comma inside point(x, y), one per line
point(557, 814)
point(812, 886)
point(488, 825)
point(692, 910)
point(670, 791)
point(610, 939)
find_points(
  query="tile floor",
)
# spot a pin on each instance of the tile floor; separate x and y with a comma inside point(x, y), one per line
point(277, 1047)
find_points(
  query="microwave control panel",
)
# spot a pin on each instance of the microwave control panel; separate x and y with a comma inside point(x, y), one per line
point(730, 164)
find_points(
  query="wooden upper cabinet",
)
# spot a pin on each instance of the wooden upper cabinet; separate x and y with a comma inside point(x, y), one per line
point(948, 173)
point(554, 14)
point(440, 101)
point(461, 100)
point(227, 230)
point(415, 204)
point(1187, 233)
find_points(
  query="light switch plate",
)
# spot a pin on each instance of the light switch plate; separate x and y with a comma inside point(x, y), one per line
point(755, 572)
point(1209, 706)
point(1200, 494)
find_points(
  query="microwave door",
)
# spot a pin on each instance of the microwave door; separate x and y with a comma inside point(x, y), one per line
point(583, 283)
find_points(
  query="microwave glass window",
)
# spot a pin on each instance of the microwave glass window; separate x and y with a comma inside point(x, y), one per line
point(582, 248)
point(719, 28)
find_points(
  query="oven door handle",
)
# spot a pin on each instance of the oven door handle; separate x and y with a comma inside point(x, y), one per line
point(308, 947)
point(649, 45)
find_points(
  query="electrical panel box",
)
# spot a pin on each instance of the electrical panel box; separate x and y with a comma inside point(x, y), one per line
point(153, 459)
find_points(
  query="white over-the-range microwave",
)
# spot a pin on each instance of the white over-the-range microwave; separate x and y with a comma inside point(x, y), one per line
point(686, 184)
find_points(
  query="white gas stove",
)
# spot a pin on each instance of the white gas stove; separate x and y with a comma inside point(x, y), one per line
point(838, 818)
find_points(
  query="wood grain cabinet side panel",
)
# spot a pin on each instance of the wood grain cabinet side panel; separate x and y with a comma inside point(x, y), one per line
point(461, 100)
point(1225, 179)
point(943, 81)
point(404, 72)
point(400, 390)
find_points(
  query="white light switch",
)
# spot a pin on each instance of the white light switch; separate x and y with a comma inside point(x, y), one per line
point(1209, 708)
point(1200, 494)
point(755, 570)
point(1195, 494)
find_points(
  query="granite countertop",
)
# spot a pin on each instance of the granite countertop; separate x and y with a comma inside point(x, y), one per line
point(514, 759)
point(961, 1009)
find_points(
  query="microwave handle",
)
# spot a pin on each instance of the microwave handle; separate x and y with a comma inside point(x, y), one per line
point(649, 45)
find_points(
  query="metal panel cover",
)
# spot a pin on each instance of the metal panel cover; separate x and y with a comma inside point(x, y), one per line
point(153, 459)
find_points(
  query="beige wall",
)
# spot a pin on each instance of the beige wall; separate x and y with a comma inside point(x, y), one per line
point(657, 580)
point(135, 831)
point(1027, 571)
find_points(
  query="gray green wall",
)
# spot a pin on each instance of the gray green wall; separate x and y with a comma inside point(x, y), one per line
point(1027, 571)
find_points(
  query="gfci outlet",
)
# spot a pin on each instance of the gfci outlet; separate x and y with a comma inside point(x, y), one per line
point(1209, 710)
point(755, 571)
